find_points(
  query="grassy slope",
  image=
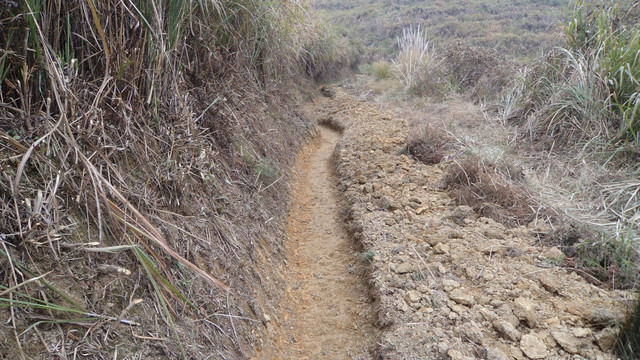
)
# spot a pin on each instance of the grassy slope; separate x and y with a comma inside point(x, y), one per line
point(521, 28)
point(144, 149)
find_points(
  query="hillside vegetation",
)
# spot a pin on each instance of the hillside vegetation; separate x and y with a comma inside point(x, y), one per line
point(144, 148)
point(521, 29)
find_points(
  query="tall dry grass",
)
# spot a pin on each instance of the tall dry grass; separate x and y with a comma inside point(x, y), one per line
point(415, 55)
point(99, 97)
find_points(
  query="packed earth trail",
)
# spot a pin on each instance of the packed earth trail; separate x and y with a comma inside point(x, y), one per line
point(327, 312)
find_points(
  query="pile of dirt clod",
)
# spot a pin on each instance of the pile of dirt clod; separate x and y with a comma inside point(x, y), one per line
point(449, 282)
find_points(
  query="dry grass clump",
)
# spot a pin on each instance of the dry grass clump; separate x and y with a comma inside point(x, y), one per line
point(489, 191)
point(415, 55)
point(429, 145)
point(381, 70)
point(480, 72)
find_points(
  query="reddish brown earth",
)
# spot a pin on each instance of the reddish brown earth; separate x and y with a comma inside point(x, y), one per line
point(327, 312)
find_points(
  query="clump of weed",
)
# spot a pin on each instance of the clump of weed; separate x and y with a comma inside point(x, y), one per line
point(381, 70)
point(628, 341)
point(480, 72)
point(368, 255)
point(416, 53)
point(489, 191)
point(429, 145)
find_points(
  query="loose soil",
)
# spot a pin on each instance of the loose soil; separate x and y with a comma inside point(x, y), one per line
point(326, 313)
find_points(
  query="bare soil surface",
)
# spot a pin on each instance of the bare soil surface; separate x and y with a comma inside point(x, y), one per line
point(326, 313)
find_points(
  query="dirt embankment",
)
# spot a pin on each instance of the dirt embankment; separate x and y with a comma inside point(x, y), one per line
point(449, 283)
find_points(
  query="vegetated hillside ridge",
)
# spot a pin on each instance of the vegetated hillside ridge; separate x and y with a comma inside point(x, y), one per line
point(448, 282)
point(522, 29)
point(145, 149)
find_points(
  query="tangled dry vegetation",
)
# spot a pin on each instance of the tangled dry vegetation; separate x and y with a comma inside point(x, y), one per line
point(143, 146)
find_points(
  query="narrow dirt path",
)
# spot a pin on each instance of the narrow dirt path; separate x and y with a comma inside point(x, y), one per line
point(327, 312)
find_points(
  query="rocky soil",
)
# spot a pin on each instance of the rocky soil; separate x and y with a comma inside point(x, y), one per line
point(448, 283)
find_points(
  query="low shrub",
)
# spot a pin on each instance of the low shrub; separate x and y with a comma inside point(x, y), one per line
point(430, 145)
point(489, 191)
point(480, 72)
point(381, 70)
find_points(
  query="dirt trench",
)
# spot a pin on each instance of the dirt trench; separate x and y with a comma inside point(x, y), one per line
point(326, 312)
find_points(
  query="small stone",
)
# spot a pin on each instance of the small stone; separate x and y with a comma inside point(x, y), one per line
point(449, 284)
point(390, 221)
point(506, 330)
point(552, 321)
point(443, 347)
point(459, 309)
point(377, 187)
point(604, 317)
point(421, 210)
point(460, 214)
point(488, 314)
point(554, 254)
point(415, 200)
point(441, 269)
point(567, 341)
point(455, 355)
point(524, 309)
point(550, 282)
point(472, 332)
point(540, 228)
point(403, 268)
point(441, 248)
point(413, 296)
point(413, 206)
point(462, 298)
point(496, 354)
point(493, 233)
point(607, 338)
point(533, 347)
point(267, 318)
point(581, 332)
point(505, 313)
